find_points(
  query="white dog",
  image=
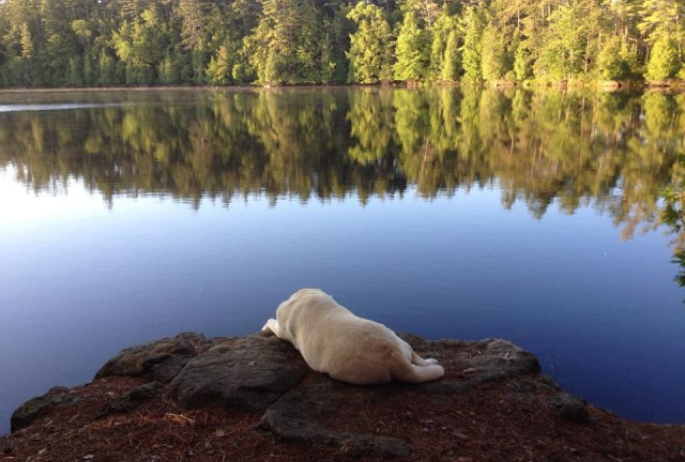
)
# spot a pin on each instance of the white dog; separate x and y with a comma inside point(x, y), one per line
point(348, 348)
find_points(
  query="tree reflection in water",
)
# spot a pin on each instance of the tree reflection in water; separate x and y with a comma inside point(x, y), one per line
point(616, 152)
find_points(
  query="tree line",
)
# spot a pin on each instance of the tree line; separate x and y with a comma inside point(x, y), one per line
point(238, 42)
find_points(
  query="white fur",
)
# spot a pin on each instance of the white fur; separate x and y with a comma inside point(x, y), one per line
point(348, 348)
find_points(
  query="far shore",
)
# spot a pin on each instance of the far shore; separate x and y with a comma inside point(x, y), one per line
point(598, 85)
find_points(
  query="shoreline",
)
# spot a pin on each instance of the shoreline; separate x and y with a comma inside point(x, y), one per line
point(608, 86)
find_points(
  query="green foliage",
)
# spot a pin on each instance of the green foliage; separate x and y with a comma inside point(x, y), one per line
point(451, 68)
point(664, 60)
point(495, 59)
point(412, 50)
point(284, 46)
point(198, 42)
point(563, 53)
point(472, 24)
point(522, 63)
point(611, 62)
point(370, 54)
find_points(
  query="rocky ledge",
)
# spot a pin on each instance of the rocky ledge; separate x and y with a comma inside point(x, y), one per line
point(253, 398)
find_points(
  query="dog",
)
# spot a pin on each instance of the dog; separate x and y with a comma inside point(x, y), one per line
point(350, 349)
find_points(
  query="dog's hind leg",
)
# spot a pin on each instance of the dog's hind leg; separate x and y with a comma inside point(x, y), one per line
point(415, 373)
point(419, 361)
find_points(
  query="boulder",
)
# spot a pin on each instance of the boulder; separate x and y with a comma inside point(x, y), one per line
point(160, 360)
point(36, 407)
point(572, 408)
point(302, 413)
point(262, 373)
point(247, 373)
point(131, 400)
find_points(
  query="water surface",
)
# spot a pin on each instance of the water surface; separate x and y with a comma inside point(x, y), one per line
point(125, 217)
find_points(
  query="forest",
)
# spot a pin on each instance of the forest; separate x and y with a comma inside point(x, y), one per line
point(60, 43)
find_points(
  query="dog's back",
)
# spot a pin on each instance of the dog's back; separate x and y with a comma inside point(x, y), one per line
point(350, 349)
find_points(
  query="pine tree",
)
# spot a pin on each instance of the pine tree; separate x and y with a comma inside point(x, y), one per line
point(106, 69)
point(168, 70)
point(522, 63)
point(371, 45)
point(451, 66)
point(472, 25)
point(442, 28)
point(562, 54)
point(192, 14)
point(610, 61)
point(494, 61)
point(219, 69)
point(285, 47)
point(664, 60)
point(412, 51)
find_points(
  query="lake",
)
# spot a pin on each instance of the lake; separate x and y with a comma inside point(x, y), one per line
point(127, 216)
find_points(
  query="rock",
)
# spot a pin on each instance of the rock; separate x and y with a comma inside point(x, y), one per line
point(298, 414)
point(39, 406)
point(131, 400)
point(146, 391)
point(571, 407)
point(160, 360)
point(244, 373)
point(296, 417)
point(499, 360)
point(265, 374)
point(117, 407)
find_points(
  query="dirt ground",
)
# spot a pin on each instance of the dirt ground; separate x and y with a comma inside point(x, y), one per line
point(494, 422)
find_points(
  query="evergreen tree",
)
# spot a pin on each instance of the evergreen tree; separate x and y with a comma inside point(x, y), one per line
point(451, 68)
point(140, 46)
point(562, 54)
point(106, 70)
point(192, 14)
point(110, 42)
point(445, 25)
point(412, 51)
point(220, 68)
point(472, 25)
point(664, 61)
point(426, 11)
point(522, 63)
point(371, 45)
point(284, 46)
point(494, 60)
point(611, 62)
point(661, 18)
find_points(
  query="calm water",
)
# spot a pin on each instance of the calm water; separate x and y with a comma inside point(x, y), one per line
point(126, 217)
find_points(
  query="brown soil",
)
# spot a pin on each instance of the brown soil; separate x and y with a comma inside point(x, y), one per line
point(493, 422)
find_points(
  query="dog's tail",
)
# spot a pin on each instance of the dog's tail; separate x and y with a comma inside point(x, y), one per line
point(404, 371)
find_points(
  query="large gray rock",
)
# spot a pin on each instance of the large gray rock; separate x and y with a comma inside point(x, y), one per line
point(263, 373)
point(243, 373)
point(160, 360)
point(302, 413)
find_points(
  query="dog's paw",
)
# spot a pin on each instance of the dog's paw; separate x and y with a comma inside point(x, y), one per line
point(271, 327)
